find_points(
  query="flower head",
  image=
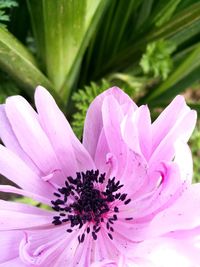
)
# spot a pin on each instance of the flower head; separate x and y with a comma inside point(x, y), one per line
point(113, 199)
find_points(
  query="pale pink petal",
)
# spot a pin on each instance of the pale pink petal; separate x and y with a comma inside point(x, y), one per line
point(101, 153)
point(57, 129)
point(69, 150)
point(175, 123)
point(104, 263)
point(100, 249)
point(50, 247)
point(112, 118)
point(183, 157)
point(9, 242)
point(135, 174)
point(10, 141)
point(14, 263)
point(165, 252)
point(33, 140)
point(14, 190)
point(12, 167)
point(15, 216)
point(130, 131)
point(174, 112)
point(11, 220)
point(147, 205)
point(144, 131)
point(180, 132)
point(93, 122)
point(183, 214)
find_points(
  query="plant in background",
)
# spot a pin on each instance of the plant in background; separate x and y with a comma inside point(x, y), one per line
point(157, 59)
point(76, 43)
point(123, 197)
point(6, 5)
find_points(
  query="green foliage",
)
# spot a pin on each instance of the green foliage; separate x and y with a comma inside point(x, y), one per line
point(94, 40)
point(157, 59)
point(7, 87)
point(195, 147)
point(32, 202)
point(82, 99)
point(5, 5)
point(185, 75)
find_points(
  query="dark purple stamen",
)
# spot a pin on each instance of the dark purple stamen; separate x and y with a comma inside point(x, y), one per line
point(81, 202)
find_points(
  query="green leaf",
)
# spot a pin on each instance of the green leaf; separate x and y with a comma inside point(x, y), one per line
point(188, 69)
point(17, 61)
point(165, 11)
point(182, 27)
point(7, 87)
point(157, 59)
point(5, 5)
point(144, 13)
point(63, 29)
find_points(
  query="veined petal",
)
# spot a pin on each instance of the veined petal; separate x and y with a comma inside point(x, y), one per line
point(130, 131)
point(174, 112)
point(16, 262)
point(14, 216)
point(181, 131)
point(93, 122)
point(112, 118)
point(10, 243)
point(10, 141)
point(165, 252)
point(49, 247)
point(33, 140)
point(71, 153)
point(12, 167)
point(104, 263)
point(183, 158)
point(60, 133)
point(182, 215)
point(144, 131)
point(102, 151)
point(175, 123)
point(14, 190)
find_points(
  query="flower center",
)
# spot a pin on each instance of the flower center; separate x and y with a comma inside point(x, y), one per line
point(86, 200)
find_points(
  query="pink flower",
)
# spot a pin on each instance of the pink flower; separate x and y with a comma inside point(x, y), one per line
point(122, 198)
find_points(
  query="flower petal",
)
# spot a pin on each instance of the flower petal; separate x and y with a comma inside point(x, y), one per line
point(9, 242)
point(15, 216)
point(16, 262)
point(14, 190)
point(181, 215)
point(52, 247)
point(57, 129)
point(25, 124)
point(69, 150)
point(174, 112)
point(183, 158)
point(176, 122)
point(10, 141)
point(165, 252)
point(143, 125)
point(17, 171)
point(112, 117)
point(93, 122)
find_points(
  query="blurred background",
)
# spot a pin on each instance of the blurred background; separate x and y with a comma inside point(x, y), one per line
point(77, 49)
